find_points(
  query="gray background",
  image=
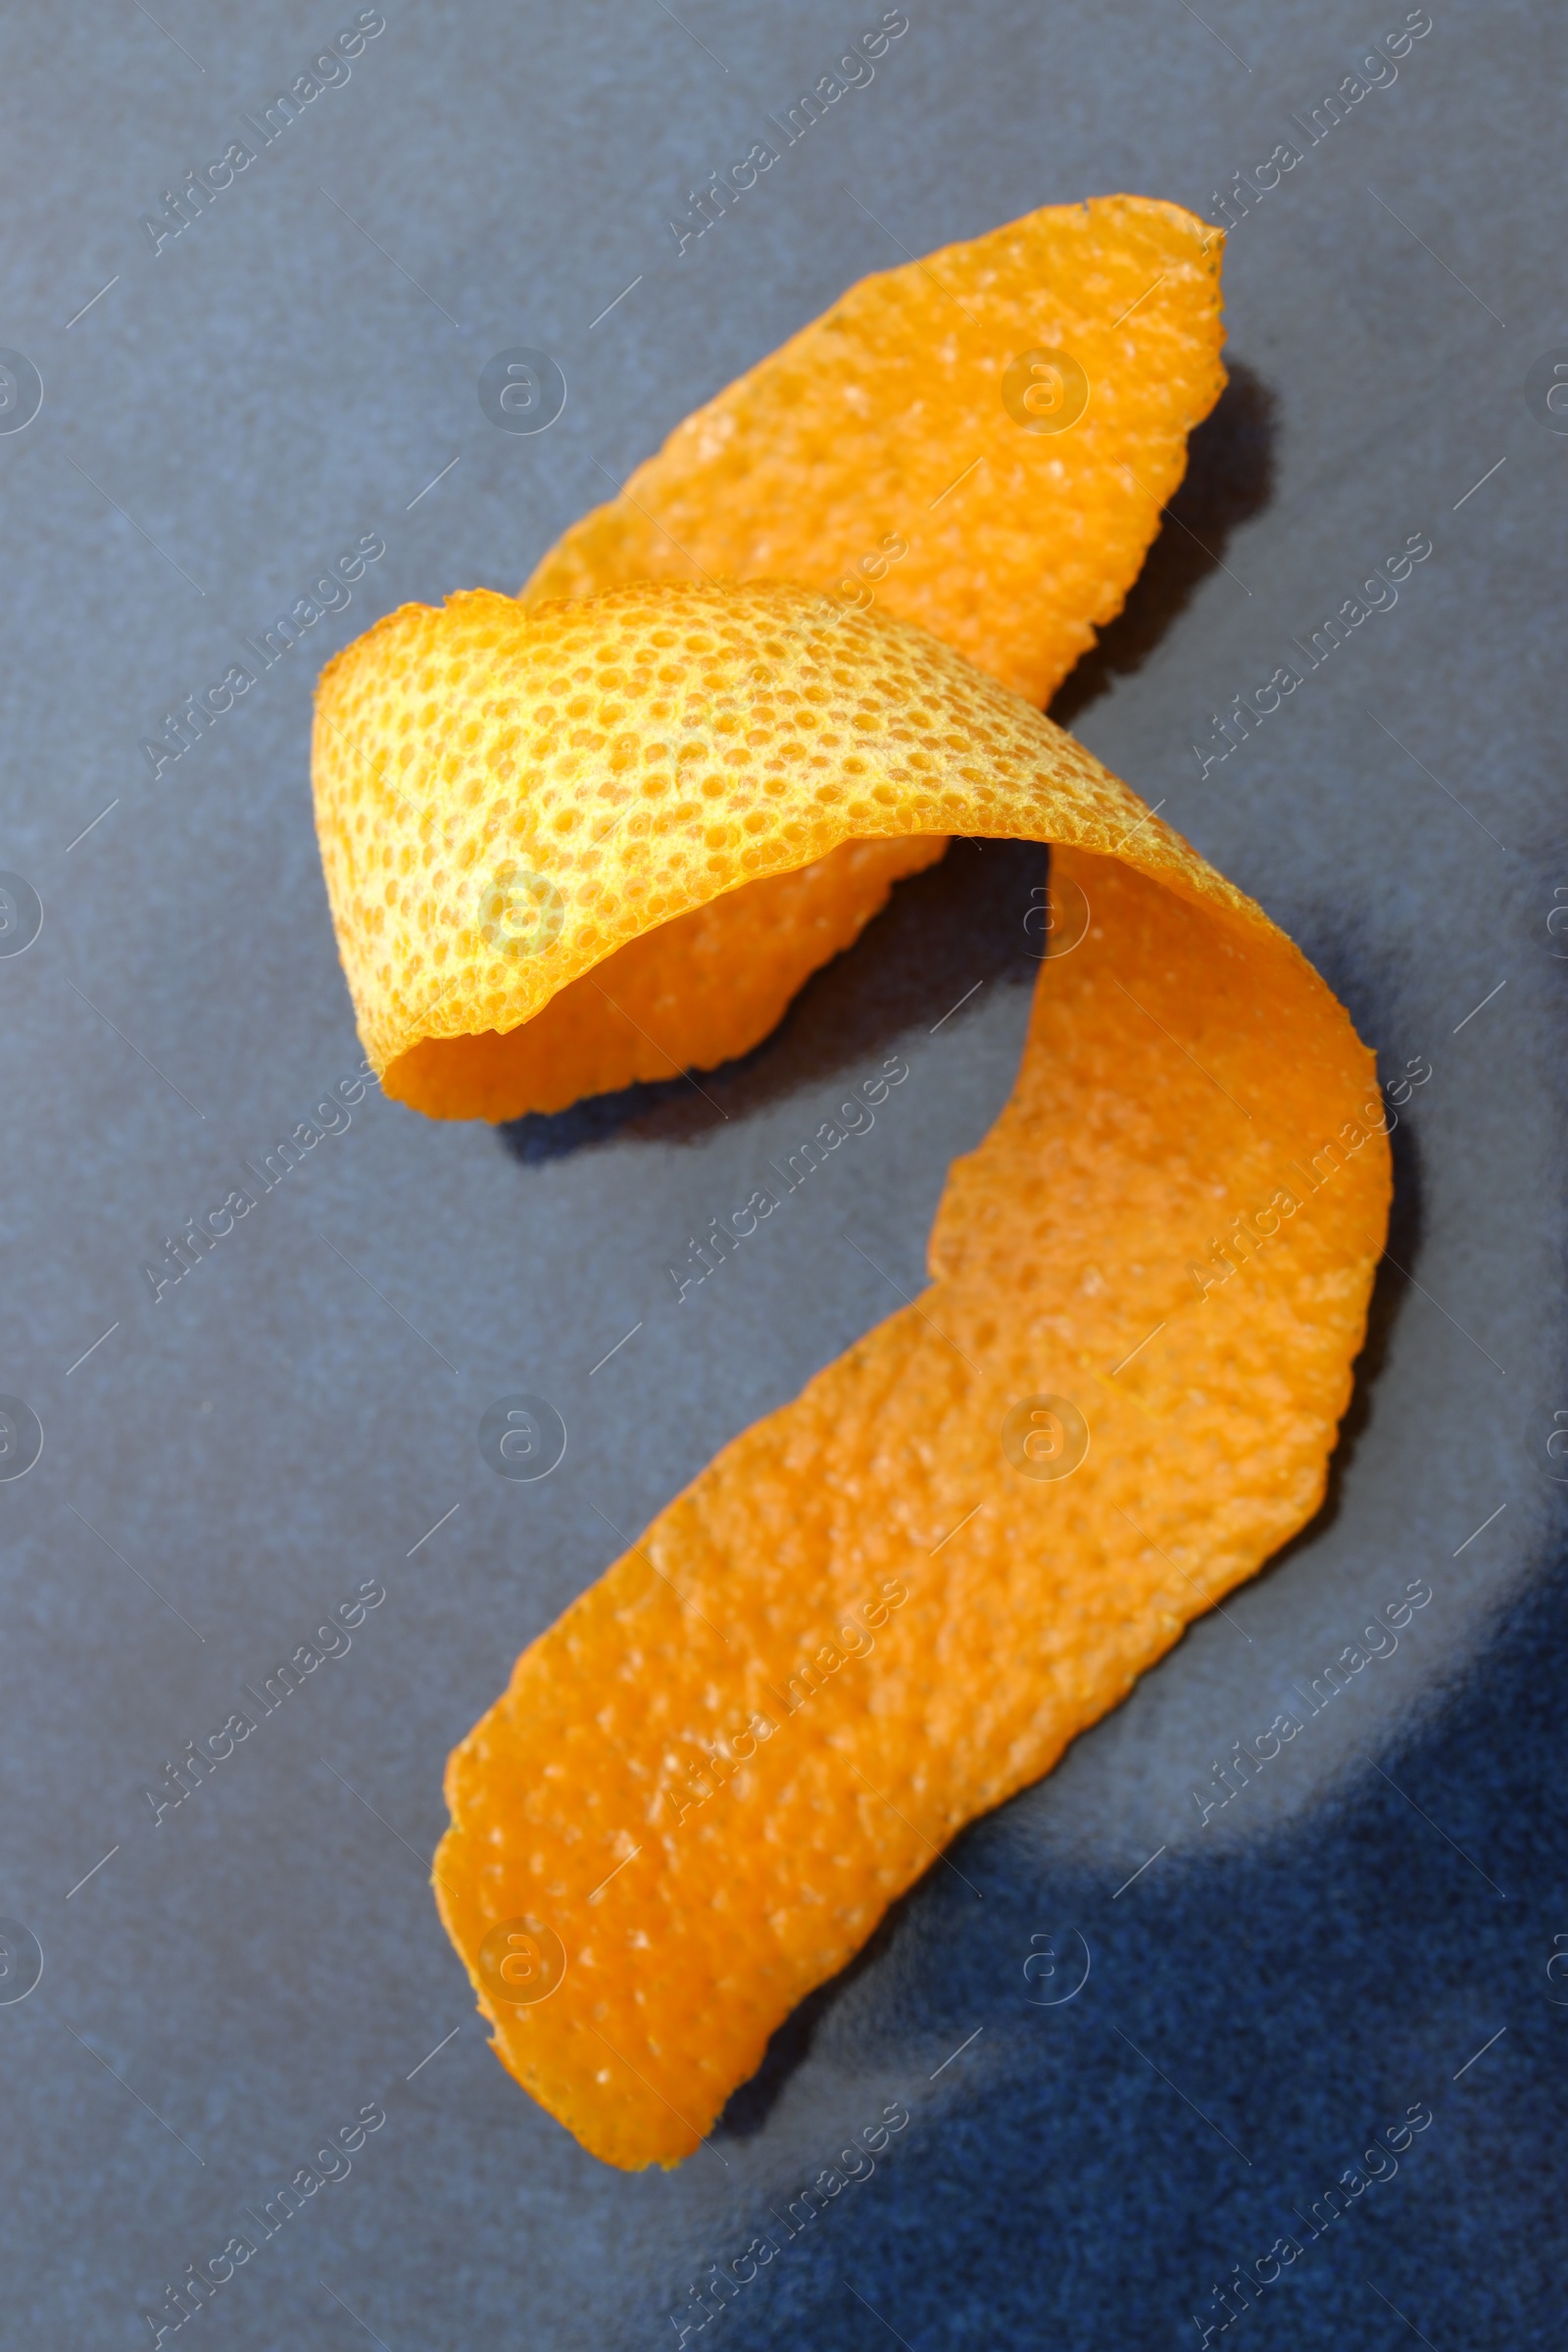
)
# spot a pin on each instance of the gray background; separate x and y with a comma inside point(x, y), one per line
point(236, 1981)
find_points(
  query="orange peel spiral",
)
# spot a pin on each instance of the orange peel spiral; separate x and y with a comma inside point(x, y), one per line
point(930, 411)
point(892, 1602)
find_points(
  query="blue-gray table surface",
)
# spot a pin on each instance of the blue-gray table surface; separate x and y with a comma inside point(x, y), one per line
point(1368, 1925)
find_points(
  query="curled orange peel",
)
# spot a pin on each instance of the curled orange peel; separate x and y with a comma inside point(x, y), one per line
point(980, 443)
point(892, 1602)
point(694, 1800)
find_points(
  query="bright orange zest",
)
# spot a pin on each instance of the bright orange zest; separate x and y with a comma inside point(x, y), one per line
point(1012, 413)
point(1188, 1176)
point(980, 443)
point(572, 842)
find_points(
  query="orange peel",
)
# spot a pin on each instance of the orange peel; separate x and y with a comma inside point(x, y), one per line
point(919, 450)
point(1014, 411)
point(892, 1602)
point(1166, 1242)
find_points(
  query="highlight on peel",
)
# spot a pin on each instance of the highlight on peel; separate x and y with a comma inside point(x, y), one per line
point(530, 822)
point(892, 1602)
point(982, 441)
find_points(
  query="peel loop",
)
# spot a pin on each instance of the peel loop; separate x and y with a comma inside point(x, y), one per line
point(980, 443)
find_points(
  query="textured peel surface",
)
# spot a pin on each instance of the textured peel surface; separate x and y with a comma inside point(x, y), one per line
point(510, 801)
point(892, 419)
point(695, 992)
point(885, 457)
point(569, 843)
point(881, 1610)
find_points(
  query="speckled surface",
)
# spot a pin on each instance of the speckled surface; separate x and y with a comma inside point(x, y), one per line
point(243, 1977)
